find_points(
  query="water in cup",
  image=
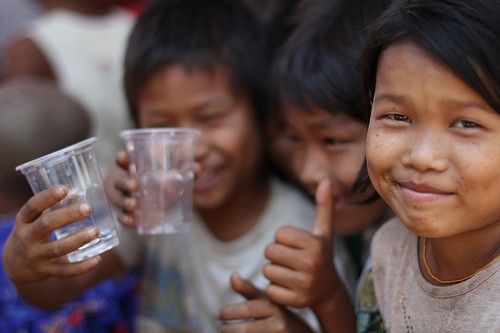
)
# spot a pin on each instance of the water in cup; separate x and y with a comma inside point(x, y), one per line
point(161, 160)
point(76, 168)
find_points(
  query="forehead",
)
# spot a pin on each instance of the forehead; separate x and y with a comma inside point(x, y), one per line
point(316, 118)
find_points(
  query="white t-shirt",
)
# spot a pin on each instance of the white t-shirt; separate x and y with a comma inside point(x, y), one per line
point(409, 303)
point(87, 53)
point(186, 277)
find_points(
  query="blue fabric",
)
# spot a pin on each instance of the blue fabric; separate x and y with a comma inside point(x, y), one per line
point(110, 307)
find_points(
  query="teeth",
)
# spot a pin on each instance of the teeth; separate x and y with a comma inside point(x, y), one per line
point(205, 176)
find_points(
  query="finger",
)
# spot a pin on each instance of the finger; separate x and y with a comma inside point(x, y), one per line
point(72, 269)
point(126, 219)
point(126, 184)
point(57, 218)
point(253, 326)
point(323, 222)
point(40, 202)
point(127, 204)
point(122, 159)
point(253, 309)
point(245, 287)
point(59, 248)
point(284, 256)
point(282, 276)
point(283, 296)
point(293, 237)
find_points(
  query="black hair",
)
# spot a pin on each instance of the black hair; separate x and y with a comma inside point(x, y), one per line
point(318, 65)
point(463, 35)
point(201, 34)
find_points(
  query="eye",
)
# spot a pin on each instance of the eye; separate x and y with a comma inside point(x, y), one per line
point(330, 141)
point(397, 117)
point(212, 118)
point(465, 124)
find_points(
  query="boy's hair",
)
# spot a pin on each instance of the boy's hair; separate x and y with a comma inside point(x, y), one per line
point(463, 35)
point(318, 64)
point(204, 35)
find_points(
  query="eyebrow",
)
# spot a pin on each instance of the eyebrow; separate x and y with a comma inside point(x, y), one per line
point(453, 102)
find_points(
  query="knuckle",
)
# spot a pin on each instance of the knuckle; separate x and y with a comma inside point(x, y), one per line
point(44, 222)
point(54, 250)
point(30, 207)
point(282, 232)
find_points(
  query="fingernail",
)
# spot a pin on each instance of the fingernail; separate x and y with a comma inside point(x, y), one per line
point(92, 232)
point(60, 191)
point(85, 208)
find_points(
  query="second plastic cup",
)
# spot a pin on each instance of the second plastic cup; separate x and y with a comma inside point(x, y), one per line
point(76, 168)
point(161, 160)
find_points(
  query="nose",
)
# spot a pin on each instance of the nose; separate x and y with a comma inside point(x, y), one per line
point(311, 169)
point(200, 148)
point(427, 151)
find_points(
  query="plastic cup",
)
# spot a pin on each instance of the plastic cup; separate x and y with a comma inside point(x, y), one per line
point(76, 168)
point(161, 160)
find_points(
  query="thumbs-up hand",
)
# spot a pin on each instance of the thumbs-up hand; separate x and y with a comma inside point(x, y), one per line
point(302, 272)
point(257, 314)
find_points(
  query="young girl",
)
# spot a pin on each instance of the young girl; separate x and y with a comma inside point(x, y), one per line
point(432, 71)
point(322, 101)
point(189, 63)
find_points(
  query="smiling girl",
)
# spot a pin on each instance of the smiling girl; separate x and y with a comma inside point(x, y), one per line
point(433, 154)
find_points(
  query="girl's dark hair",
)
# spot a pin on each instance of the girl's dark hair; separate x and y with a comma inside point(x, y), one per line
point(318, 63)
point(201, 34)
point(461, 34)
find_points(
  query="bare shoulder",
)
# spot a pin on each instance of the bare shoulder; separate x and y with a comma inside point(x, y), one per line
point(26, 59)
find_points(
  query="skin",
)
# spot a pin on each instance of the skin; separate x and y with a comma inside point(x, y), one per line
point(433, 155)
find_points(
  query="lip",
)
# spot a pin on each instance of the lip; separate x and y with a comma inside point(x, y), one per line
point(421, 191)
point(205, 183)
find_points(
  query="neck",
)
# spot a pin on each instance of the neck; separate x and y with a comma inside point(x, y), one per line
point(456, 258)
point(240, 213)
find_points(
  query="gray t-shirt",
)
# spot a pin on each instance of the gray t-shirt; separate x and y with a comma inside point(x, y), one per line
point(409, 303)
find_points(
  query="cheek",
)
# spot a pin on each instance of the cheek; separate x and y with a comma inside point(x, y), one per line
point(377, 156)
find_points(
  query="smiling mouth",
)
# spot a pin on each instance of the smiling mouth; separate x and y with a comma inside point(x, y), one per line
point(207, 180)
point(421, 188)
point(421, 192)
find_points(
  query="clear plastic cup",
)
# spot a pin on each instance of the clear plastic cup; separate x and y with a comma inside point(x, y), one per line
point(161, 160)
point(76, 168)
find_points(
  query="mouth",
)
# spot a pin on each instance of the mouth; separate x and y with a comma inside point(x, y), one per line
point(421, 191)
point(207, 179)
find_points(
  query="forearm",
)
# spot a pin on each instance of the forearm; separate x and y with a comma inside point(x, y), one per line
point(336, 313)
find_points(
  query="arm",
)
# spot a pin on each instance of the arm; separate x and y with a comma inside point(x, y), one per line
point(302, 272)
point(37, 265)
point(24, 58)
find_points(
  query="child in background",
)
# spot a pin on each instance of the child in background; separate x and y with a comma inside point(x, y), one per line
point(190, 63)
point(80, 45)
point(50, 120)
point(432, 71)
point(321, 99)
